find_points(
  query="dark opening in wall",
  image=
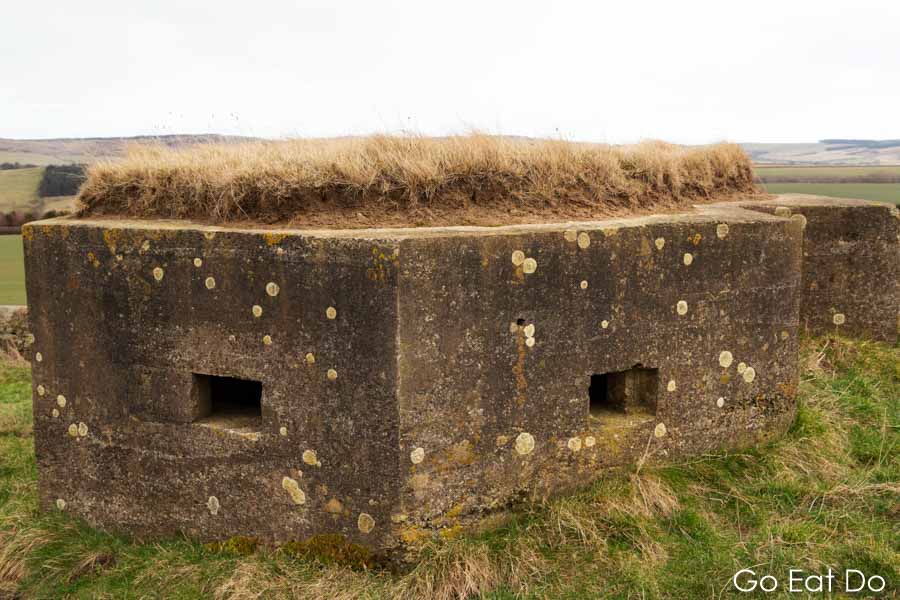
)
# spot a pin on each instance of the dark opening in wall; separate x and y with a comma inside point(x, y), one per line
point(631, 392)
point(228, 402)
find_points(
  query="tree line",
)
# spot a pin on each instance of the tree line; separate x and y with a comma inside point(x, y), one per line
point(61, 180)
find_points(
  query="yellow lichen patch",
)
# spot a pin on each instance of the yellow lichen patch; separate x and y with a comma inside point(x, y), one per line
point(589, 441)
point(695, 239)
point(839, 319)
point(334, 506)
point(267, 340)
point(27, 233)
point(681, 307)
point(60, 504)
point(158, 273)
point(725, 359)
point(720, 402)
point(413, 535)
point(198, 262)
point(111, 237)
point(660, 243)
point(310, 358)
point(61, 401)
point(145, 247)
point(722, 231)
point(417, 455)
point(92, 258)
point(688, 259)
point(660, 430)
point(293, 488)
point(529, 266)
point(82, 429)
point(272, 289)
point(784, 335)
point(282, 431)
point(741, 367)
point(583, 284)
point(574, 444)
point(604, 324)
point(54, 413)
point(41, 390)
point(529, 342)
point(518, 257)
point(213, 505)
point(332, 374)
point(257, 310)
point(501, 441)
point(310, 458)
point(274, 238)
point(528, 330)
point(524, 443)
point(38, 357)
point(331, 313)
point(584, 240)
point(365, 522)
point(210, 283)
point(570, 235)
point(73, 430)
point(671, 386)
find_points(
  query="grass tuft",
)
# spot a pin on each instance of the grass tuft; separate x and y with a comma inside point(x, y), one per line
point(412, 180)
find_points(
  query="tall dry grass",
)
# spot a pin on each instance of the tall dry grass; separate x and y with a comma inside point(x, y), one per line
point(418, 180)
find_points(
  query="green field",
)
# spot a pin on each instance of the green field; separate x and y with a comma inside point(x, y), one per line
point(823, 496)
point(827, 174)
point(19, 189)
point(12, 270)
point(881, 192)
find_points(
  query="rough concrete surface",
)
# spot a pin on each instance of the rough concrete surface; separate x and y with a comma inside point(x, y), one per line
point(393, 384)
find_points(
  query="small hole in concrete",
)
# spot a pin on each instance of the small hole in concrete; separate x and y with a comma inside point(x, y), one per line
point(228, 402)
point(629, 393)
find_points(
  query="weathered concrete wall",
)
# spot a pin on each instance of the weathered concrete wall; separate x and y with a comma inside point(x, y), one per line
point(411, 379)
point(123, 315)
point(496, 358)
point(851, 264)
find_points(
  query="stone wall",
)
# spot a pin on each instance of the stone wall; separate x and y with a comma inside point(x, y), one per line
point(389, 385)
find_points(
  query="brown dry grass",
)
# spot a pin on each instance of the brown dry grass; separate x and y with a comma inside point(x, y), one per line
point(410, 180)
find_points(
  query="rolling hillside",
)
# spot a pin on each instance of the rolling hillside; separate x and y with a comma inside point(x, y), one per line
point(88, 150)
point(827, 152)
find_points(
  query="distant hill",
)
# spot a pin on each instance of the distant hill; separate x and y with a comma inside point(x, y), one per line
point(827, 152)
point(86, 150)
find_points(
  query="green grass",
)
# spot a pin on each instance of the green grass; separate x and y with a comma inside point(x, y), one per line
point(881, 192)
point(12, 270)
point(826, 495)
point(19, 189)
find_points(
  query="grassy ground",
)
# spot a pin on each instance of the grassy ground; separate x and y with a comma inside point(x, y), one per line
point(827, 494)
point(882, 192)
point(18, 189)
point(12, 270)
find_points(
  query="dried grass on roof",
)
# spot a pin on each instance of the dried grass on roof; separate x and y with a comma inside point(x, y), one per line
point(408, 180)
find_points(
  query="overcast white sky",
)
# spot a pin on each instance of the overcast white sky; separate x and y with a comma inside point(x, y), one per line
point(683, 71)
